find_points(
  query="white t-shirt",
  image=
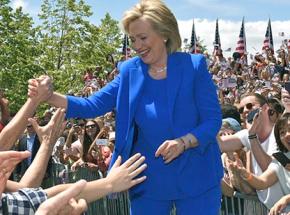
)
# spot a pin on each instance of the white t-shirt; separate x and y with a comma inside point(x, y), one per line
point(272, 194)
point(282, 174)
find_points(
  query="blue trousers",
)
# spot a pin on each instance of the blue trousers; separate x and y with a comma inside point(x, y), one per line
point(207, 203)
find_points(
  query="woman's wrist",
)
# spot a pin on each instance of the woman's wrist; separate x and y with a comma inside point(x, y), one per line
point(190, 141)
point(183, 144)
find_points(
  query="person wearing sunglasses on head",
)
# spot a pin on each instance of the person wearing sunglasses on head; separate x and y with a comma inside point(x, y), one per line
point(259, 117)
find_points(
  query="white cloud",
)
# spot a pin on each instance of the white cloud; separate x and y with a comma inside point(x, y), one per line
point(212, 6)
point(19, 3)
point(229, 32)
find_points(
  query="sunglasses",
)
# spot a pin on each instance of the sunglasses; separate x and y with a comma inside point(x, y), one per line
point(90, 126)
point(249, 106)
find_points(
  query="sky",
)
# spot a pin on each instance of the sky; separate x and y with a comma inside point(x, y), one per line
point(204, 13)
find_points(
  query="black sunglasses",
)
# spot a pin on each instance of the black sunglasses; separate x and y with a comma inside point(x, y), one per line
point(90, 126)
point(249, 106)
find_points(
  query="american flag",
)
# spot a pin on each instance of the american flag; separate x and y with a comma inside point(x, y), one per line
point(217, 41)
point(194, 46)
point(241, 44)
point(126, 51)
point(268, 42)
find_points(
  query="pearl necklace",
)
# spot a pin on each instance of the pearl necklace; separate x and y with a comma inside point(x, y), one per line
point(153, 70)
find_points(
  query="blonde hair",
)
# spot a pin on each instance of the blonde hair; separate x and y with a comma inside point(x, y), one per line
point(161, 19)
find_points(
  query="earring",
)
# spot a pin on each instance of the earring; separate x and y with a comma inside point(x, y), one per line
point(165, 41)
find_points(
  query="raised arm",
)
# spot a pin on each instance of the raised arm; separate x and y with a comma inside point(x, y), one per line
point(17, 125)
point(263, 159)
point(47, 135)
point(4, 109)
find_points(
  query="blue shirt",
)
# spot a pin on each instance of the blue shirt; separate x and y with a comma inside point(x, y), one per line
point(152, 119)
point(30, 142)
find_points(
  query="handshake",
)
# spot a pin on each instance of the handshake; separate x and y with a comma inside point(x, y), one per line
point(40, 89)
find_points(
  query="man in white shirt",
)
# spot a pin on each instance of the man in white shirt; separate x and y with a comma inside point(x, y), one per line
point(259, 139)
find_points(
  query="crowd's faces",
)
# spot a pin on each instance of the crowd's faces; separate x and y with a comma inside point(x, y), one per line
point(147, 43)
point(247, 104)
point(79, 126)
point(226, 130)
point(285, 77)
point(91, 128)
point(285, 98)
point(29, 128)
point(285, 135)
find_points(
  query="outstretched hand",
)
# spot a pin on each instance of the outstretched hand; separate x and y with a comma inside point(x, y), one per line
point(52, 130)
point(122, 177)
point(40, 88)
point(65, 203)
point(238, 167)
point(8, 161)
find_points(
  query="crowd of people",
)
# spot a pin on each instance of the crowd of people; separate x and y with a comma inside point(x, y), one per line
point(214, 113)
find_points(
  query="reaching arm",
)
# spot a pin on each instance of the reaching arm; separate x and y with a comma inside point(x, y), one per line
point(119, 179)
point(48, 136)
point(17, 125)
point(4, 107)
point(267, 179)
point(58, 100)
point(229, 143)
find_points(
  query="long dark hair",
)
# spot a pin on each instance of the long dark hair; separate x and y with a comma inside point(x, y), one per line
point(281, 124)
point(87, 139)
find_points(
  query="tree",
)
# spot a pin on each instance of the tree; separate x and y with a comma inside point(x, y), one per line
point(71, 44)
point(18, 54)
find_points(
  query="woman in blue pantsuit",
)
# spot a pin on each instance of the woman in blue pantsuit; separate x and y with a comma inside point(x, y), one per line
point(166, 109)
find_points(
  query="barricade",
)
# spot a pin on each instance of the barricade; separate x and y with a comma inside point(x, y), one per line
point(239, 204)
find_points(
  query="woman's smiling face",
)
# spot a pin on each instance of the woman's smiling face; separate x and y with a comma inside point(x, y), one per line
point(148, 44)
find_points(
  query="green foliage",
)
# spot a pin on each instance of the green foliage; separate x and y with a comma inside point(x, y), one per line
point(17, 57)
point(71, 44)
point(63, 46)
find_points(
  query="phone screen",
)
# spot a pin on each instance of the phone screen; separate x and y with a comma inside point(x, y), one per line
point(283, 159)
point(102, 142)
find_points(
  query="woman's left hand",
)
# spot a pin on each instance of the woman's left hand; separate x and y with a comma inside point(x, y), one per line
point(170, 149)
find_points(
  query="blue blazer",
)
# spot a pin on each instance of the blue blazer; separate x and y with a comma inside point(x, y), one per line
point(194, 108)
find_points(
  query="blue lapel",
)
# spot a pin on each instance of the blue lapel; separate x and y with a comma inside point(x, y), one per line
point(136, 83)
point(174, 76)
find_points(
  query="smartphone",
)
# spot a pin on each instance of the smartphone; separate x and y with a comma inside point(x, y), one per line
point(282, 158)
point(287, 86)
point(102, 142)
point(252, 114)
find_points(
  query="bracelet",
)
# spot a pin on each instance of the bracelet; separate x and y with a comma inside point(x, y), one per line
point(184, 145)
point(252, 136)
